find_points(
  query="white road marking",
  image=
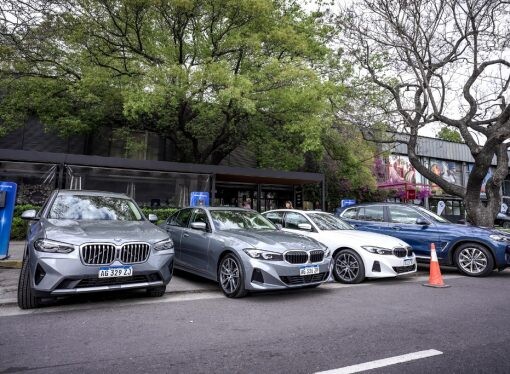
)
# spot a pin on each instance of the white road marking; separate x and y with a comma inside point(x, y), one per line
point(383, 362)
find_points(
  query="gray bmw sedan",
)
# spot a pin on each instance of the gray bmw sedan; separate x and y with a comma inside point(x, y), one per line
point(88, 241)
point(244, 251)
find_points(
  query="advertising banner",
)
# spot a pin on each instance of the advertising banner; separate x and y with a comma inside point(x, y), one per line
point(7, 202)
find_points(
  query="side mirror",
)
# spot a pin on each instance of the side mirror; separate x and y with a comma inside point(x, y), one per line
point(304, 226)
point(29, 215)
point(421, 221)
point(199, 226)
point(153, 218)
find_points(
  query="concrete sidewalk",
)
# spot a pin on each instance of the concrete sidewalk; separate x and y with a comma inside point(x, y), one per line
point(9, 273)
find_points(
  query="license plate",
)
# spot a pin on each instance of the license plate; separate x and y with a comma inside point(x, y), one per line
point(115, 271)
point(308, 270)
point(408, 262)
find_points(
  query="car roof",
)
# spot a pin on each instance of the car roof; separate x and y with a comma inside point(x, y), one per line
point(297, 211)
point(379, 203)
point(92, 193)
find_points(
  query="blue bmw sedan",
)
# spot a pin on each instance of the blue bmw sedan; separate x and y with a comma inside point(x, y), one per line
point(475, 251)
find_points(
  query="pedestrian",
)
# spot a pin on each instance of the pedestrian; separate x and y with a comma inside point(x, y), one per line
point(288, 205)
point(247, 203)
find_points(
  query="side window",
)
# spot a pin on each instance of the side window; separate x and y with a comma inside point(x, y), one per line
point(183, 217)
point(402, 214)
point(275, 217)
point(371, 213)
point(350, 213)
point(172, 220)
point(200, 216)
point(292, 220)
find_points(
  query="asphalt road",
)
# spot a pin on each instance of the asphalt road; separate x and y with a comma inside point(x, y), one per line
point(303, 331)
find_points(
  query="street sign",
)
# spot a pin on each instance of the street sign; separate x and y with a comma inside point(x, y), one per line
point(347, 202)
point(199, 199)
point(7, 202)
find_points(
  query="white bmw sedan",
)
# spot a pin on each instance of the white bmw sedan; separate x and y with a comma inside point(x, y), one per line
point(356, 254)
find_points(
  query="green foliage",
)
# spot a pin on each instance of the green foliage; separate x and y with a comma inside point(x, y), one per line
point(20, 226)
point(450, 134)
point(162, 213)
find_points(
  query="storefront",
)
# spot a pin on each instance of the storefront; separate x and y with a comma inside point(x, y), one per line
point(153, 183)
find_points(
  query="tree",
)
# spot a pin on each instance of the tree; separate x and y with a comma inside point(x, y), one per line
point(208, 75)
point(450, 135)
point(437, 61)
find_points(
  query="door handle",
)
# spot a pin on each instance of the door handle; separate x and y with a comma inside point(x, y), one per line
point(185, 235)
point(396, 228)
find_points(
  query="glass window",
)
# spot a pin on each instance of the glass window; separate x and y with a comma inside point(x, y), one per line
point(371, 213)
point(183, 217)
point(90, 207)
point(275, 217)
point(200, 216)
point(292, 220)
point(350, 213)
point(325, 221)
point(240, 219)
point(172, 220)
point(402, 214)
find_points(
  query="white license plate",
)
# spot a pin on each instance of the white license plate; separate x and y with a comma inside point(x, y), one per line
point(115, 271)
point(308, 270)
point(408, 262)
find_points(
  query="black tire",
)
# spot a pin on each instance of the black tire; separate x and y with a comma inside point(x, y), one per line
point(506, 225)
point(26, 297)
point(474, 260)
point(348, 267)
point(156, 291)
point(231, 277)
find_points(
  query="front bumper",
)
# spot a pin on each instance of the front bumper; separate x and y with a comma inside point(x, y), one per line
point(275, 275)
point(384, 266)
point(54, 274)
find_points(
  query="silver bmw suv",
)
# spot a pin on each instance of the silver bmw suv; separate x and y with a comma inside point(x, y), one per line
point(90, 241)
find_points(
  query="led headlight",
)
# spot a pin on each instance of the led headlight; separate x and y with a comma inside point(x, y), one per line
point(264, 255)
point(164, 245)
point(327, 252)
point(51, 246)
point(378, 250)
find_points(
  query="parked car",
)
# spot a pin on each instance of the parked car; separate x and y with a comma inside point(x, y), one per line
point(356, 254)
point(244, 252)
point(503, 220)
point(475, 251)
point(86, 241)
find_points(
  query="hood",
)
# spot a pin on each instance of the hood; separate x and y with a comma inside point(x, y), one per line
point(273, 240)
point(117, 232)
point(360, 238)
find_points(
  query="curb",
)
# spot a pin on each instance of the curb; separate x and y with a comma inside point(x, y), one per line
point(10, 264)
point(11, 301)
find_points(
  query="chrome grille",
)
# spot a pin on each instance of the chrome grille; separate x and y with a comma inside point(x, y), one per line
point(316, 256)
point(134, 252)
point(400, 252)
point(98, 254)
point(296, 257)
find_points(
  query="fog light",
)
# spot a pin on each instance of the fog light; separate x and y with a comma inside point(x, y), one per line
point(376, 267)
point(257, 276)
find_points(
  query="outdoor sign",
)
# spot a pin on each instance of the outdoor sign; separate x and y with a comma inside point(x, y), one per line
point(7, 201)
point(199, 199)
point(440, 207)
point(347, 202)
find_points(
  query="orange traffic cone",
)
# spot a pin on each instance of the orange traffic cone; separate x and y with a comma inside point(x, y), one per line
point(435, 278)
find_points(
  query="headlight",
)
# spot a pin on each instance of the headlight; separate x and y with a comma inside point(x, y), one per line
point(264, 255)
point(164, 245)
point(46, 245)
point(499, 238)
point(378, 250)
point(327, 253)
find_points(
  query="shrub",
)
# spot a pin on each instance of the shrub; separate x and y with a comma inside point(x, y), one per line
point(19, 226)
point(162, 213)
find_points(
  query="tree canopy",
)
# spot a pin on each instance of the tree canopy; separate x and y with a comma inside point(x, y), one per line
point(450, 135)
point(437, 61)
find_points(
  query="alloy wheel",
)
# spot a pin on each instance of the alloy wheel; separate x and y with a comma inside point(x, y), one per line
point(472, 260)
point(229, 275)
point(347, 266)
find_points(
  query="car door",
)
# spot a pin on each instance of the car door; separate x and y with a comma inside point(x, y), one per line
point(403, 225)
point(195, 243)
point(175, 225)
point(368, 218)
point(291, 223)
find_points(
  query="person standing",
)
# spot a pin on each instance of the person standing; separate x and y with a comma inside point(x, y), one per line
point(288, 205)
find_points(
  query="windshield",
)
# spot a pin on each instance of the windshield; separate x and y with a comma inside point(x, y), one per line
point(432, 215)
point(88, 208)
point(329, 222)
point(240, 219)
